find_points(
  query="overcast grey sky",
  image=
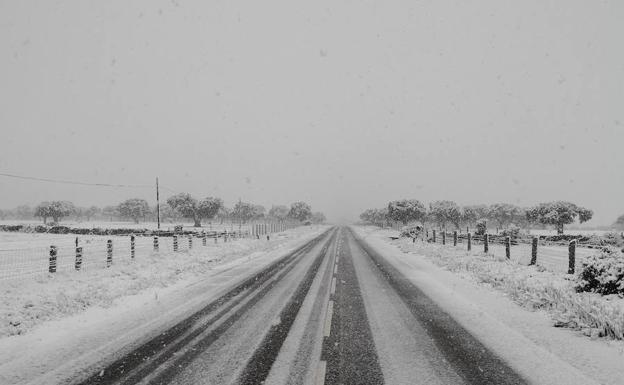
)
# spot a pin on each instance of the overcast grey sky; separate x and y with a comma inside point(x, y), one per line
point(343, 104)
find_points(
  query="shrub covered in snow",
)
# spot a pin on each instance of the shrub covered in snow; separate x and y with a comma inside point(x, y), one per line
point(512, 231)
point(613, 238)
point(412, 231)
point(602, 273)
point(481, 227)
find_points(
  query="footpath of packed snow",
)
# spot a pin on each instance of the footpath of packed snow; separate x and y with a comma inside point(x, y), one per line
point(50, 328)
point(483, 293)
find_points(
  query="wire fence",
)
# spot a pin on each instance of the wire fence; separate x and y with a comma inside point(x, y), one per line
point(70, 253)
point(561, 257)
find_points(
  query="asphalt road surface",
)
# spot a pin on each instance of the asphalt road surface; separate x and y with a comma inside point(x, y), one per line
point(331, 312)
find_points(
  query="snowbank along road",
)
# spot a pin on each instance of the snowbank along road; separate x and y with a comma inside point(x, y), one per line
point(332, 311)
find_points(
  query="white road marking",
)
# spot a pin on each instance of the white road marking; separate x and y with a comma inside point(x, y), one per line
point(336, 269)
point(328, 319)
point(333, 286)
point(320, 373)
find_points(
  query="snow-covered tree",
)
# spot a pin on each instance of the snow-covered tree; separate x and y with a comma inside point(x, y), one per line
point(134, 209)
point(505, 214)
point(558, 214)
point(300, 211)
point(258, 212)
point(279, 212)
point(56, 210)
point(443, 212)
point(92, 212)
point(191, 208)
point(407, 210)
point(209, 207)
point(110, 212)
point(375, 216)
point(471, 213)
point(243, 211)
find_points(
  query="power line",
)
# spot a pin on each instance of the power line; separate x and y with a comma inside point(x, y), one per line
point(168, 189)
point(75, 182)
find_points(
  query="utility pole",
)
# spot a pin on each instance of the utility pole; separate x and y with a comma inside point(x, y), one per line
point(157, 204)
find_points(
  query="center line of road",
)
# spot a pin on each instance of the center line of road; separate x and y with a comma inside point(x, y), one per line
point(328, 319)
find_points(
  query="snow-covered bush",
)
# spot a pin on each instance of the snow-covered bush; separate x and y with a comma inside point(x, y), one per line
point(602, 273)
point(412, 231)
point(613, 238)
point(512, 231)
point(481, 227)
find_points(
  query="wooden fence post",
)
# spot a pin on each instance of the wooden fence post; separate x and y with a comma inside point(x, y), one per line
point(203, 238)
point(508, 247)
point(533, 251)
point(434, 236)
point(78, 263)
point(175, 243)
point(132, 246)
point(486, 243)
point(571, 256)
point(109, 253)
point(190, 241)
point(52, 265)
point(455, 238)
point(469, 241)
point(155, 243)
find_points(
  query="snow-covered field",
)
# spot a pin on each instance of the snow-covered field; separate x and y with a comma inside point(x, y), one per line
point(26, 255)
point(29, 301)
point(571, 232)
point(552, 258)
point(483, 292)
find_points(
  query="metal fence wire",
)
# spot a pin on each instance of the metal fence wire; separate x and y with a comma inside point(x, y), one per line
point(100, 252)
point(553, 256)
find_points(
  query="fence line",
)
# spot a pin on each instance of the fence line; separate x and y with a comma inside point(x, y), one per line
point(554, 256)
point(105, 251)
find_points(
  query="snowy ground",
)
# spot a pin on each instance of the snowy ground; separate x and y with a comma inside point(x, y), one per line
point(572, 232)
point(68, 321)
point(483, 294)
point(552, 258)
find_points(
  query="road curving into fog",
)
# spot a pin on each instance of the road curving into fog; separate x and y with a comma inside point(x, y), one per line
point(331, 312)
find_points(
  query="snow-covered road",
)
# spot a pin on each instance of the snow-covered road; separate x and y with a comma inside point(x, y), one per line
point(332, 306)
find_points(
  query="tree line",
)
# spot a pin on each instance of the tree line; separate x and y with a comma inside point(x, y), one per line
point(177, 207)
point(449, 214)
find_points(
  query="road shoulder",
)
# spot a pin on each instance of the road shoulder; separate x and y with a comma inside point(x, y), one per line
point(523, 338)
